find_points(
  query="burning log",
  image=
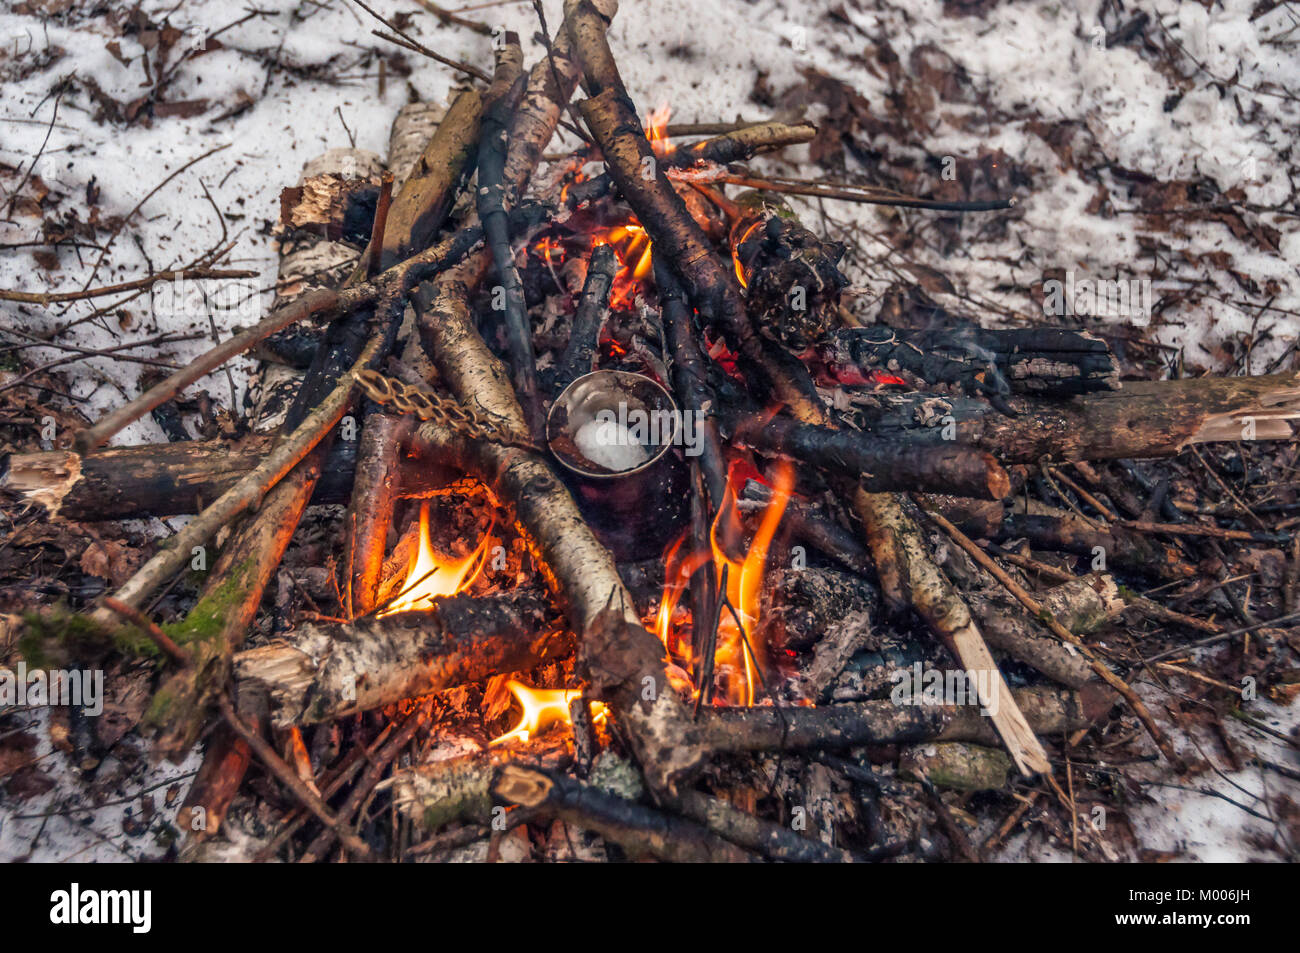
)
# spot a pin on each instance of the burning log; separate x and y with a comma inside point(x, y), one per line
point(690, 373)
point(810, 525)
point(792, 284)
point(887, 722)
point(370, 512)
point(326, 671)
point(900, 556)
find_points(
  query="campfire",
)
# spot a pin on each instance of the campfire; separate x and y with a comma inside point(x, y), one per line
point(645, 533)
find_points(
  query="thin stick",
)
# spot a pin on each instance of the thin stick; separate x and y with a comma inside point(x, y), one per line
point(249, 490)
point(421, 48)
point(1062, 633)
point(866, 196)
point(366, 784)
point(139, 205)
point(166, 389)
point(446, 16)
point(1084, 495)
point(1220, 637)
point(1214, 532)
point(289, 778)
point(48, 298)
point(160, 638)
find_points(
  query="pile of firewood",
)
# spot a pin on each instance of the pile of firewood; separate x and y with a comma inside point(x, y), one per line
point(861, 506)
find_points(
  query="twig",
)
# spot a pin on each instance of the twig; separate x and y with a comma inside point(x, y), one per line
point(1221, 637)
point(289, 778)
point(309, 304)
point(48, 298)
point(150, 628)
point(863, 194)
point(446, 16)
point(421, 48)
point(1061, 632)
point(366, 784)
point(139, 205)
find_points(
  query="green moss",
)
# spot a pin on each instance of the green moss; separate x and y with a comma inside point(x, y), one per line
point(161, 706)
point(205, 621)
point(53, 638)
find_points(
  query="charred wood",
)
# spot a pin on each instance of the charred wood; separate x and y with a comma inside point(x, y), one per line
point(878, 465)
point(886, 722)
point(640, 831)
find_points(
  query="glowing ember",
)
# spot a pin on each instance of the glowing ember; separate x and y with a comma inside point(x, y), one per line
point(431, 577)
point(543, 707)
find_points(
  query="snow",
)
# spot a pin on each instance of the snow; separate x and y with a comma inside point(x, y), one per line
point(1035, 60)
point(610, 445)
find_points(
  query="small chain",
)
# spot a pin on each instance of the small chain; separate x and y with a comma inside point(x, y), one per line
point(429, 405)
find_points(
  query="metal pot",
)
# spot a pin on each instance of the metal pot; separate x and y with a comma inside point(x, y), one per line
point(615, 435)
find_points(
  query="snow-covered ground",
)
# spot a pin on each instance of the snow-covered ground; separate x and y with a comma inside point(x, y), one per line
point(1085, 126)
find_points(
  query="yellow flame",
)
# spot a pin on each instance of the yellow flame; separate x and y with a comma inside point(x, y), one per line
point(744, 591)
point(543, 707)
point(745, 585)
point(658, 128)
point(430, 577)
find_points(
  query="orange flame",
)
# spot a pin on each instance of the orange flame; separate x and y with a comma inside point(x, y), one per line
point(658, 128)
point(735, 253)
point(543, 707)
point(740, 656)
point(630, 241)
point(633, 249)
point(431, 577)
point(745, 585)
